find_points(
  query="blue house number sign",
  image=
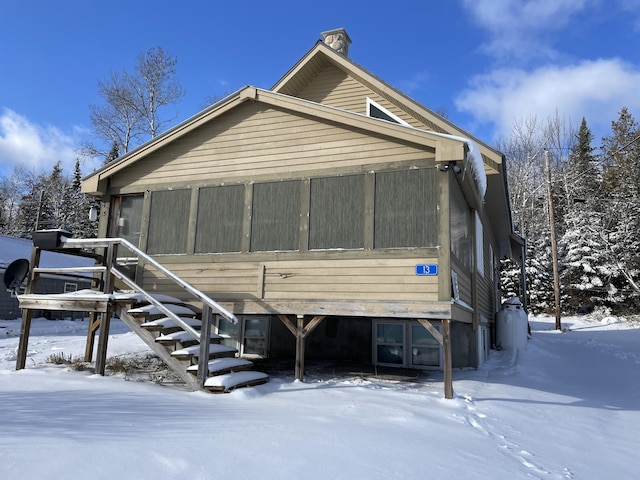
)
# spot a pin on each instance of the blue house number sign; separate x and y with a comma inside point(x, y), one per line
point(427, 269)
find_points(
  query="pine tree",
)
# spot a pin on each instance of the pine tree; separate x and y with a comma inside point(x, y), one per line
point(581, 249)
point(77, 207)
point(621, 192)
point(540, 275)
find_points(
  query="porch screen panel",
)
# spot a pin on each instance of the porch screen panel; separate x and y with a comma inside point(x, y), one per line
point(336, 217)
point(275, 221)
point(220, 216)
point(169, 222)
point(405, 209)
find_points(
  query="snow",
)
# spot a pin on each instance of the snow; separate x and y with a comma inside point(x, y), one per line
point(566, 406)
point(473, 161)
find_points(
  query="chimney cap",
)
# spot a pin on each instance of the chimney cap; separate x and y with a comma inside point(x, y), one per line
point(338, 39)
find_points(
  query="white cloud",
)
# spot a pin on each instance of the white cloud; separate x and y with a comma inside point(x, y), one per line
point(596, 90)
point(519, 27)
point(34, 146)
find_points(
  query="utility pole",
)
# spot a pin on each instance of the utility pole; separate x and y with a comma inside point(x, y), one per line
point(554, 246)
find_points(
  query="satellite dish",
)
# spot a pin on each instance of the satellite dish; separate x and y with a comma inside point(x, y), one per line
point(15, 273)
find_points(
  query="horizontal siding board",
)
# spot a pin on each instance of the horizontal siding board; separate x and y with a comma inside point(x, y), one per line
point(261, 140)
point(389, 280)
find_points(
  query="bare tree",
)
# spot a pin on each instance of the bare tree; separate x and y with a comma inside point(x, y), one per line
point(155, 86)
point(130, 112)
point(118, 120)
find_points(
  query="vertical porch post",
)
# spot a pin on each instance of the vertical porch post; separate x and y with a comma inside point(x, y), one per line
point(299, 371)
point(27, 315)
point(446, 351)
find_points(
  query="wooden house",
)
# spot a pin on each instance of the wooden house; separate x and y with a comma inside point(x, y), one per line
point(336, 217)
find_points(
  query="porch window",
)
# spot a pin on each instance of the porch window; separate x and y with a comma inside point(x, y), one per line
point(405, 209)
point(336, 218)
point(169, 222)
point(275, 222)
point(130, 218)
point(220, 216)
point(460, 218)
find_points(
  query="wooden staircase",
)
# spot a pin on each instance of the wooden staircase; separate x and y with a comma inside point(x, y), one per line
point(177, 330)
point(180, 350)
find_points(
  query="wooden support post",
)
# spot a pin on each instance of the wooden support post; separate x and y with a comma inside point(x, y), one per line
point(300, 348)
point(205, 341)
point(105, 317)
point(443, 339)
point(446, 352)
point(94, 324)
point(27, 315)
point(23, 344)
point(300, 331)
point(101, 357)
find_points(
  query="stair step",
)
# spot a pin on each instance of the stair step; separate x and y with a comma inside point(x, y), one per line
point(168, 322)
point(183, 337)
point(215, 350)
point(153, 310)
point(227, 382)
point(139, 298)
point(219, 366)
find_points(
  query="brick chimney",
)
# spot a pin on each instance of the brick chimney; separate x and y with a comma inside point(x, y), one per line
point(338, 40)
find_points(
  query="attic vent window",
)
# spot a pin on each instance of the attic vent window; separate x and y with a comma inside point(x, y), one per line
point(374, 110)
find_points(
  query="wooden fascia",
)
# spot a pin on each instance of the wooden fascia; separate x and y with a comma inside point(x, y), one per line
point(299, 66)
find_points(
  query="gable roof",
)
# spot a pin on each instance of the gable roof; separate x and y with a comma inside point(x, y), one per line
point(445, 148)
point(322, 55)
point(439, 134)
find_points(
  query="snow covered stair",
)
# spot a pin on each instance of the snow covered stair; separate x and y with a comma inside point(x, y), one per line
point(180, 350)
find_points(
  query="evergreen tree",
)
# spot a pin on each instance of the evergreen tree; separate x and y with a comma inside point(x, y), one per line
point(53, 210)
point(621, 194)
point(584, 271)
point(539, 272)
point(113, 154)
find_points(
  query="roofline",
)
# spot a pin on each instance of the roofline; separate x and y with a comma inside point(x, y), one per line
point(422, 138)
point(381, 85)
point(148, 144)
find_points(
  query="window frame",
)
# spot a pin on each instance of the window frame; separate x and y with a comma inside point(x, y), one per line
point(395, 118)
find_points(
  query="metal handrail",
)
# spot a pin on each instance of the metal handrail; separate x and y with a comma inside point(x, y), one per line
point(105, 242)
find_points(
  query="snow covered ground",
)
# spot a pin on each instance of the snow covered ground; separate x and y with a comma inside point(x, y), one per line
point(566, 407)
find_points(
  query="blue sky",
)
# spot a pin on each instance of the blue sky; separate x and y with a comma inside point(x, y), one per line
point(487, 63)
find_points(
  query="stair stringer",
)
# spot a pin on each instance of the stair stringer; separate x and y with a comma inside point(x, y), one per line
point(147, 337)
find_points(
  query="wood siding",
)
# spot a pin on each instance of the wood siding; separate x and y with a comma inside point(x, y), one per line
point(254, 287)
point(257, 142)
point(332, 86)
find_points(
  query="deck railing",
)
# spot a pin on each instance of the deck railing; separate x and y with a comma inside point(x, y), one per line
point(111, 271)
